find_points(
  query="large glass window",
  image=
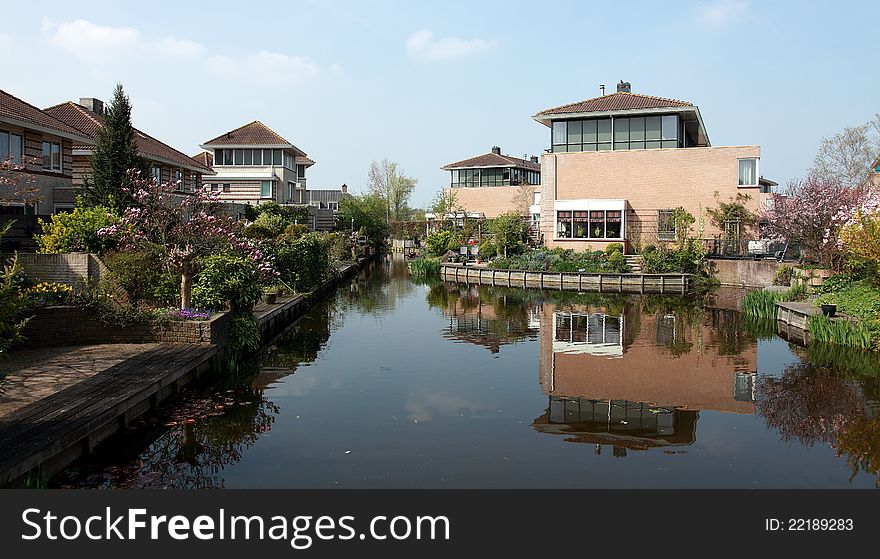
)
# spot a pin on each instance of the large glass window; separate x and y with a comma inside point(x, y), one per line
point(559, 133)
point(593, 224)
point(301, 171)
point(748, 172)
point(628, 133)
point(15, 148)
point(581, 225)
point(666, 225)
point(56, 157)
point(248, 157)
point(4, 145)
point(613, 224)
point(276, 157)
point(156, 173)
point(265, 189)
point(47, 155)
point(564, 225)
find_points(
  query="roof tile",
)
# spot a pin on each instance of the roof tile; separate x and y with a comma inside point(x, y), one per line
point(15, 108)
point(620, 101)
point(88, 123)
point(494, 160)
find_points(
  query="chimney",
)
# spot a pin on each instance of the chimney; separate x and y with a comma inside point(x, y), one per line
point(624, 87)
point(534, 159)
point(344, 188)
point(496, 150)
point(92, 104)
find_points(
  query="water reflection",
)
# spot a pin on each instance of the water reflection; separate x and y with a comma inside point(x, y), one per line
point(396, 384)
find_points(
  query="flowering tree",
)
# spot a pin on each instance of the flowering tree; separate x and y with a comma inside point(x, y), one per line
point(860, 235)
point(812, 212)
point(183, 228)
point(17, 185)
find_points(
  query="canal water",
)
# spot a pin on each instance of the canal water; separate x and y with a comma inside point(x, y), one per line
point(397, 384)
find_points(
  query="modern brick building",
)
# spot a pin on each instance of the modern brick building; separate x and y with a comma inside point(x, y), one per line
point(620, 164)
point(254, 164)
point(166, 163)
point(40, 147)
point(492, 183)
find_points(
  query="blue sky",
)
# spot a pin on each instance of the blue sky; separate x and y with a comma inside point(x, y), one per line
point(428, 83)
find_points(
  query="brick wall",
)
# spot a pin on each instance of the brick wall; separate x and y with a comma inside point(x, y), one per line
point(59, 326)
point(71, 268)
point(490, 200)
point(649, 180)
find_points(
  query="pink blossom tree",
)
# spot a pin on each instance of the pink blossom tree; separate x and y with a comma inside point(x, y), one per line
point(182, 227)
point(811, 212)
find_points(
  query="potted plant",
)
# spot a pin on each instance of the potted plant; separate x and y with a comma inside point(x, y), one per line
point(829, 310)
point(270, 295)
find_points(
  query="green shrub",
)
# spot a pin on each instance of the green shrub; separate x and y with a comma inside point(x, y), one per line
point(305, 262)
point(783, 275)
point(143, 277)
point(837, 282)
point(258, 232)
point(12, 305)
point(293, 232)
point(272, 222)
point(425, 267)
point(614, 247)
point(648, 249)
point(617, 262)
point(227, 278)
point(488, 249)
point(244, 334)
point(76, 231)
point(438, 243)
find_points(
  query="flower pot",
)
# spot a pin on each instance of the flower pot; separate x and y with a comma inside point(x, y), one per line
point(270, 298)
point(829, 310)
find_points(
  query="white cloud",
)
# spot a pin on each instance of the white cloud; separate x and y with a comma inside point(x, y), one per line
point(263, 67)
point(183, 48)
point(722, 12)
point(102, 45)
point(423, 46)
point(91, 42)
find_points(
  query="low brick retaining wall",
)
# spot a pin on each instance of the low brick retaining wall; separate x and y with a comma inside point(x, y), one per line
point(68, 325)
point(744, 273)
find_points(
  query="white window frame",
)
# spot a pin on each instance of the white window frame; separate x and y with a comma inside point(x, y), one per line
point(588, 205)
point(757, 161)
point(271, 190)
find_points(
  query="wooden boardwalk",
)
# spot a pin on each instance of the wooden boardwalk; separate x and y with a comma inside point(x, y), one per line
point(53, 431)
point(569, 281)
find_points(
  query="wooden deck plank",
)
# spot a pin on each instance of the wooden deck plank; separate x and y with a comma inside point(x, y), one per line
point(35, 436)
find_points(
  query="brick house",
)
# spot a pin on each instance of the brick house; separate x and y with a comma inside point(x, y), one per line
point(166, 163)
point(44, 145)
point(489, 184)
point(254, 164)
point(620, 164)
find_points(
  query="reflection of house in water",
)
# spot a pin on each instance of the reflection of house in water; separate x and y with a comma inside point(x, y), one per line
point(480, 318)
point(636, 379)
point(593, 333)
point(620, 423)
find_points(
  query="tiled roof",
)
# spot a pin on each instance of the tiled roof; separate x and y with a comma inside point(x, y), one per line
point(206, 158)
point(494, 160)
point(88, 123)
point(303, 160)
point(255, 133)
point(14, 108)
point(620, 101)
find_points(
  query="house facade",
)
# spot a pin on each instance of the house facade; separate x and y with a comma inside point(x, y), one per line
point(253, 164)
point(619, 165)
point(493, 183)
point(166, 164)
point(40, 148)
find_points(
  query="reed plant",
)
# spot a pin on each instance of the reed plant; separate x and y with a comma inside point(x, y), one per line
point(425, 267)
point(839, 332)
